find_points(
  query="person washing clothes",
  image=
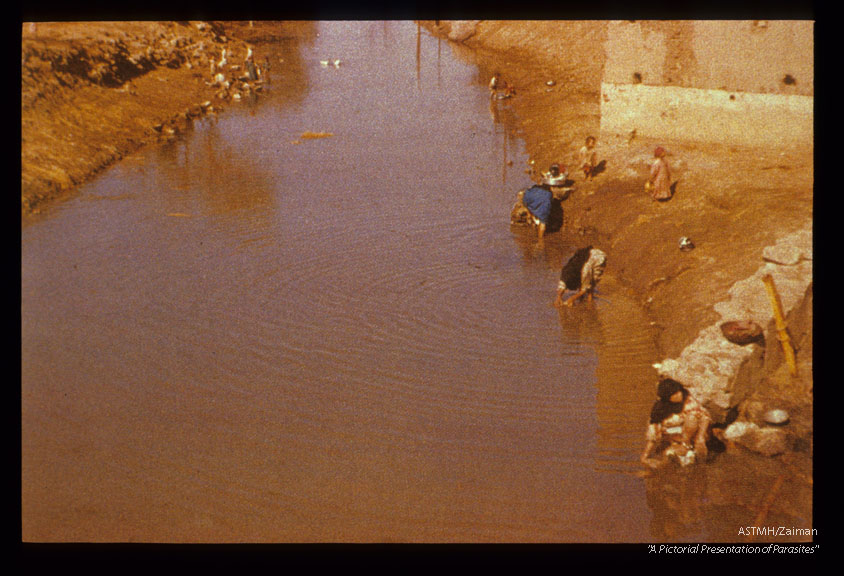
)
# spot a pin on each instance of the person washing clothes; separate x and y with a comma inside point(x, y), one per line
point(538, 201)
point(540, 205)
point(678, 427)
point(581, 273)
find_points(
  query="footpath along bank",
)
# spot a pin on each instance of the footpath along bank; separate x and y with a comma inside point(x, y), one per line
point(747, 207)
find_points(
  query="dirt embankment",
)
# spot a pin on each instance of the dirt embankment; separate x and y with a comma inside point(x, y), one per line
point(93, 92)
point(732, 201)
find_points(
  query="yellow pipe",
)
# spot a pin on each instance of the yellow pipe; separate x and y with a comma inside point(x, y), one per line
point(784, 338)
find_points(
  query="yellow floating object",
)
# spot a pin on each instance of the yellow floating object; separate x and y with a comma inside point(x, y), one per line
point(313, 135)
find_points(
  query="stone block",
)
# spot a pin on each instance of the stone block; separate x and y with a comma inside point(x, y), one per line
point(764, 440)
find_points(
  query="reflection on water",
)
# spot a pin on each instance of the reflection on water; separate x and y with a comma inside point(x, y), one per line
point(206, 175)
point(710, 504)
point(504, 121)
point(419, 56)
point(265, 338)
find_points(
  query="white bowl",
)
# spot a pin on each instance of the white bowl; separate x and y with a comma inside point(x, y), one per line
point(776, 417)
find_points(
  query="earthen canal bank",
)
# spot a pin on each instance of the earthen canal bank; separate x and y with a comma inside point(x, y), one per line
point(746, 201)
point(92, 94)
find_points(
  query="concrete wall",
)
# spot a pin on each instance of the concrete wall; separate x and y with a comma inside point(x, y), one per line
point(693, 114)
point(734, 56)
point(721, 374)
point(738, 82)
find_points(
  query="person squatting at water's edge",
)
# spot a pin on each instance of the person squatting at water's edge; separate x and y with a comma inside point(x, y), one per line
point(679, 427)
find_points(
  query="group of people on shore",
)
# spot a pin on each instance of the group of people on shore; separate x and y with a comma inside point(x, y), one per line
point(539, 206)
point(679, 427)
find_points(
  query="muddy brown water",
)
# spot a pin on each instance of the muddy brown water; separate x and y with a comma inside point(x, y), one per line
point(244, 335)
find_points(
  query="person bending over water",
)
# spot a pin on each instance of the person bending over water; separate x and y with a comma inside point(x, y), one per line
point(538, 200)
point(678, 427)
point(581, 273)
